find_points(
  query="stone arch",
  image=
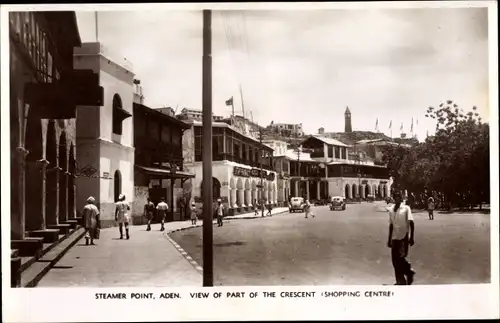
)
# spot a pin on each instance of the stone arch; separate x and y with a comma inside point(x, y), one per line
point(269, 195)
point(347, 191)
point(354, 191)
point(374, 190)
point(51, 178)
point(33, 174)
point(368, 190)
point(240, 192)
point(117, 184)
point(381, 190)
point(216, 187)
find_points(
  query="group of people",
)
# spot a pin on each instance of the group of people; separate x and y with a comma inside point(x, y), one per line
point(92, 221)
point(261, 207)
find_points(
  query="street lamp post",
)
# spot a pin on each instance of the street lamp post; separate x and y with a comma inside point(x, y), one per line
point(299, 150)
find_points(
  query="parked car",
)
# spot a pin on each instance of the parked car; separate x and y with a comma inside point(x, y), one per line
point(297, 204)
point(337, 202)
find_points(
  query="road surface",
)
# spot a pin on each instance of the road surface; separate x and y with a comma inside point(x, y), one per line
point(343, 247)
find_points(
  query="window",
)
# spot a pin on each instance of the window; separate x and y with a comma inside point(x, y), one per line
point(176, 137)
point(153, 130)
point(119, 114)
point(166, 135)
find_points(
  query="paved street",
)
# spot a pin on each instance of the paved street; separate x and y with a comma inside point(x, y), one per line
point(343, 247)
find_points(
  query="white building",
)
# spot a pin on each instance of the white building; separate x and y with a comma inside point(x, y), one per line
point(237, 176)
point(104, 135)
point(292, 128)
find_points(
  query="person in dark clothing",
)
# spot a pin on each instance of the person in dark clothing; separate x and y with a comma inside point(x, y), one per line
point(149, 209)
point(401, 236)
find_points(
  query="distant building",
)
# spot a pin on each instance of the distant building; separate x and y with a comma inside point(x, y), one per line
point(138, 95)
point(348, 120)
point(244, 125)
point(193, 114)
point(287, 129)
point(166, 110)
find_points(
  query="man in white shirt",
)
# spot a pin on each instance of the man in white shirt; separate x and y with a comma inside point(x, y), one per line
point(401, 236)
point(219, 212)
point(162, 209)
point(122, 216)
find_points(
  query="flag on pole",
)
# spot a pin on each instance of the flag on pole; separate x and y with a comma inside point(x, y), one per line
point(229, 102)
point(401, 128)
point(390, 125)
point(411, 129)
point(376, 126)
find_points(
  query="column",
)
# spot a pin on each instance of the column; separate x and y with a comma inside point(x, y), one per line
point(318, 190)
point(232, 201)
point(43, 169)
point(253, 195)
point(248, 197)
point(241, 197)
point(307, 190)
point(72, 197)
point(63, 196)
point(296, 188)
point(52, 195)
point(18, 221)
point(363, 190)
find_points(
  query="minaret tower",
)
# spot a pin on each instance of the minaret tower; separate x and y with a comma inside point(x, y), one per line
point(348, 123)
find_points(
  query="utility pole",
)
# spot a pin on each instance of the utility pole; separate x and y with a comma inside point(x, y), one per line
point(208, 259)
point(299, 149)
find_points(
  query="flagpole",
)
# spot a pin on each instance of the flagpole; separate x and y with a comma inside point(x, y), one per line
point(232, 109)
point(96, 28)
point(242, 103)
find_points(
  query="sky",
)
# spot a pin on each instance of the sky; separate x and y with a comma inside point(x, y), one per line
point(308, 66)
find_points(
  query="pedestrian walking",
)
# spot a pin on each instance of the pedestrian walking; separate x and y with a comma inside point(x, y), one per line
point(149, 209)
point(269, 209)
point(430, 207)
point(194, 213)
point(122, 216)
point(91, 221)
point(401, 236)
point(255, 208)
point(162, 209)
point(219, 213)
point(308, 210)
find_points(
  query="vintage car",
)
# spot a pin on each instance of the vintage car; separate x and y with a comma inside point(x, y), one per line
point(297, 204)
point(337, 202)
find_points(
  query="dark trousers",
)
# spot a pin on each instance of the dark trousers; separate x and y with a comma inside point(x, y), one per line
point(402, 267)
point(219, 220)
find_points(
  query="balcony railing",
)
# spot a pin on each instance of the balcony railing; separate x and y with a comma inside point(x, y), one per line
point(240, 160)
point(317, 154)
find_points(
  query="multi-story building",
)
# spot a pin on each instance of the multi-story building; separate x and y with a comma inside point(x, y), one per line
point(240, 176)
point(287, 129)
point(193, 114)
point(323, 168)
point(281, 164)
point(42, 137)
point(105, 135)
point(159, 162)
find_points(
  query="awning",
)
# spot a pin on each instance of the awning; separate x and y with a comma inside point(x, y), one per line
point(165, 172)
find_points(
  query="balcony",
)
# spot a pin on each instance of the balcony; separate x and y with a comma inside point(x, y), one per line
point(317, 153)
point(240, 160)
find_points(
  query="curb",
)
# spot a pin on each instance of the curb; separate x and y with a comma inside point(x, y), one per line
point(186, 256)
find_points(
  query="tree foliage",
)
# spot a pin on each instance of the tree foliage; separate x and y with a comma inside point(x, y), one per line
point(454, 162)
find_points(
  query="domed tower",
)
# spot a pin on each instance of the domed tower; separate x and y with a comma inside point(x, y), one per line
point(348, 124)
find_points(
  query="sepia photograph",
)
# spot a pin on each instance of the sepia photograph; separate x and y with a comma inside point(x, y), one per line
point(247, 147)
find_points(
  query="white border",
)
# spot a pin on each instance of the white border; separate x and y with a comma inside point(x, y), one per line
point(415, 302)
